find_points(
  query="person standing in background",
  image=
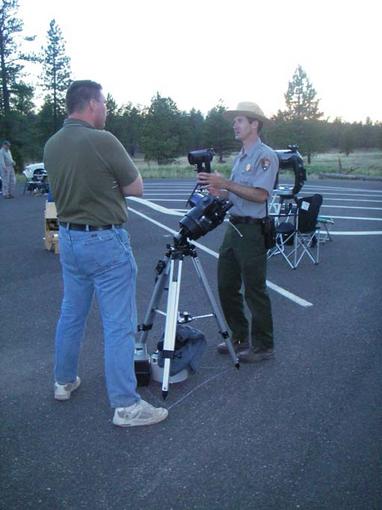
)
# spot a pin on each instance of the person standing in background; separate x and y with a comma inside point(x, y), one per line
point(7, 165)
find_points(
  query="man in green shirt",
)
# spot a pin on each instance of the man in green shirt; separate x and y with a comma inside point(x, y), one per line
point(90, 175)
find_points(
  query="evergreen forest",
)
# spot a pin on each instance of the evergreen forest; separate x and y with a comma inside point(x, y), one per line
point(159, 132)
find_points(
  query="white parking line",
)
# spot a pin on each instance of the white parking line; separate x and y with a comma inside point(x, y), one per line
point(354, 195)
point(351, 200)
point(180, 212)
point(273, 286)
point(326, 206)
point(339, 188)
point(351, 207)
point(359, 233)
point(187, 186)
point(159, 194)
point(154, 206)
point(360, 218)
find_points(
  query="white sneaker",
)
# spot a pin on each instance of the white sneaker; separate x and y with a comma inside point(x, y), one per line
point(140, 413)
point(63, 391)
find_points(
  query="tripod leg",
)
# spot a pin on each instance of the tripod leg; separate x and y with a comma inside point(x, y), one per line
point(154, 303)
point(141, 355)
point(171, 322)
point(219, 318)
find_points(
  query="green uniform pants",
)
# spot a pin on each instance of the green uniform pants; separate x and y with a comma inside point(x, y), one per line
point(243, 260)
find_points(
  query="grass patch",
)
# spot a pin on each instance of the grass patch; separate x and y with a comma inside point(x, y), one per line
point(367, 163)
point(180, 169)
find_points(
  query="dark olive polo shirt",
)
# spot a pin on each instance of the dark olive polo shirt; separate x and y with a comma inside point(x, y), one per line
point(87, 168)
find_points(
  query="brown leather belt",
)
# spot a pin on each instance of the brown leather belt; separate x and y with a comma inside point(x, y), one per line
point(236, 220)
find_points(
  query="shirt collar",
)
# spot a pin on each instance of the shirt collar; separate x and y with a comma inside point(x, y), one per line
point(251, 149)
point(77, 122)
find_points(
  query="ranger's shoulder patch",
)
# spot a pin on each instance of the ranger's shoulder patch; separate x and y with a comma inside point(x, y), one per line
point(265, 163)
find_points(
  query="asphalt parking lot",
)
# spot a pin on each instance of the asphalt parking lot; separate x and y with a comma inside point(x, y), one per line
point(301, 431)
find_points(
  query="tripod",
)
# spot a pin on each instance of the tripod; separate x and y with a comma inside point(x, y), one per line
point(169, 276)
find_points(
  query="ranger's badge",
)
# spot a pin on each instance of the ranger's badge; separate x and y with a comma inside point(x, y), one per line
point(248, 167)
point(265, 164)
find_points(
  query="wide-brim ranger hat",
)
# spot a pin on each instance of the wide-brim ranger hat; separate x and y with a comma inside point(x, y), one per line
point(246, 109)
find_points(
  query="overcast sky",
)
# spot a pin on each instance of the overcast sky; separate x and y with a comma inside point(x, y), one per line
point(201, 51)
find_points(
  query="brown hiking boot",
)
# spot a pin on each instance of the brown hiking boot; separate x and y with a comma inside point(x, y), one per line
point(254, 355)
point(236, 344)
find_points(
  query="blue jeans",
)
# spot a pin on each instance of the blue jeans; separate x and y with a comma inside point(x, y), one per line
point(100, 262)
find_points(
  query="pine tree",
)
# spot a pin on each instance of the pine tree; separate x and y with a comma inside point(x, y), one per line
point(218, 132)
point(161, 139)
point(192, 131)
point(16, 96)
point(12, 58)
point(56, 78)
point(131, 127)
point(301, 117)
point(300, 98)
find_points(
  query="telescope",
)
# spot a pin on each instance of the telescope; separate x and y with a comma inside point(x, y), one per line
point(202, 159)
point(207, 213)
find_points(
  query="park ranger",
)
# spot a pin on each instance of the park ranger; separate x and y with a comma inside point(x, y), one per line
point(242, 255)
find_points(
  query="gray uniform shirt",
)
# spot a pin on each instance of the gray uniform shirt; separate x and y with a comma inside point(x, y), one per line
point(6, 159)
point(257, 167)
point(2, 160)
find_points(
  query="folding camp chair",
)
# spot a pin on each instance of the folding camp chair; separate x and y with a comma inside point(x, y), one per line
point(286, 225)
point(281, 197)
point(325, 222)
point(298, 233)
point(308, 230)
